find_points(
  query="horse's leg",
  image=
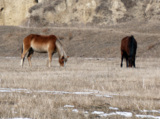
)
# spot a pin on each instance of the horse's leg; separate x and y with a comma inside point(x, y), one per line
point(25, 49)
point(50, 58)
point(134, 63)
point(22, 60)
point(122, 56)
point(29, 56)
point(23, 56)
point(126, 61)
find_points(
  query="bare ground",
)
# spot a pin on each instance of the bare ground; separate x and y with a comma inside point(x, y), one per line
point(88, 41)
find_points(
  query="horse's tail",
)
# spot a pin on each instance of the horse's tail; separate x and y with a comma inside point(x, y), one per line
point(22, 49)
point(132, 45)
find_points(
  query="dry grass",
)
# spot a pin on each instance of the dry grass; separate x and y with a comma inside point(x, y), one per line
point(132, 90)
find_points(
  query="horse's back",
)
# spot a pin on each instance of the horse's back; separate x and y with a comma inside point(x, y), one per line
point(128, 43)
point(40, 43)
point(41, 38)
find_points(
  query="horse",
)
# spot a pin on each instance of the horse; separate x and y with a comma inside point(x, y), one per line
point(43, 44)
point(128, 50)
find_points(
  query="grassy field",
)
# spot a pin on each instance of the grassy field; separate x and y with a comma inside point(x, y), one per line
point(85, 88)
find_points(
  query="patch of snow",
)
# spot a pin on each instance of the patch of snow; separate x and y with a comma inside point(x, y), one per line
point(99, 95)
point(83, 93)
point(155, 111)
point(68, 106)
point(85, 112)
point(105, 114)
point(63, 92)
point(126, 114)
point(107, 96)
point(9, 90)
point(113, 108)
point(19, 118)
point(75, 110)
point(98, 112)
point(18, 90)
point(102, 114)
point(5, 90)
point(148, 116)
point(43, 91)
point(54, 92)
point(60, 92)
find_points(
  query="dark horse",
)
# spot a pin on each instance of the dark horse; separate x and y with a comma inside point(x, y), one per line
point(128, 51)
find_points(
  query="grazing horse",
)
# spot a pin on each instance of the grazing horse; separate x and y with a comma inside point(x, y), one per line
point(128, 50)
point(43, 44)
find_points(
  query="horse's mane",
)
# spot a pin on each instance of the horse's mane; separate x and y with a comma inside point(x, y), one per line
point(60, 49)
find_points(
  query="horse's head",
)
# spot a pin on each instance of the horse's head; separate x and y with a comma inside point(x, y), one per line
point(130, 62)
point(63, 60)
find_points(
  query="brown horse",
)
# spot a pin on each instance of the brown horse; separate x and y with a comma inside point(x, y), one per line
point(128, 50)
point(43, 44)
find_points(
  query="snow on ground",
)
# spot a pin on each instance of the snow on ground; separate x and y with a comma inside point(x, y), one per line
point(125, 114)
point(96, 93)
point(107, 96)
point(11, 90)
point(19, 118)
point(68, 106)
point(148, 116)
point(102, 114)
point(154, 111)
point(75, 110)
point(113, 108)
point(98, 112)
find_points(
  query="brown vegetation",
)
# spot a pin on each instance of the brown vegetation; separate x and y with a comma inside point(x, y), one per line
point(33, 88)
point(30, 91)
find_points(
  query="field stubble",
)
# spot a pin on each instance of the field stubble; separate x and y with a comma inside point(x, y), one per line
point(86, 84)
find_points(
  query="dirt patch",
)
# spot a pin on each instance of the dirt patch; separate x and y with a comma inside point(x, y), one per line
point(87, 41)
